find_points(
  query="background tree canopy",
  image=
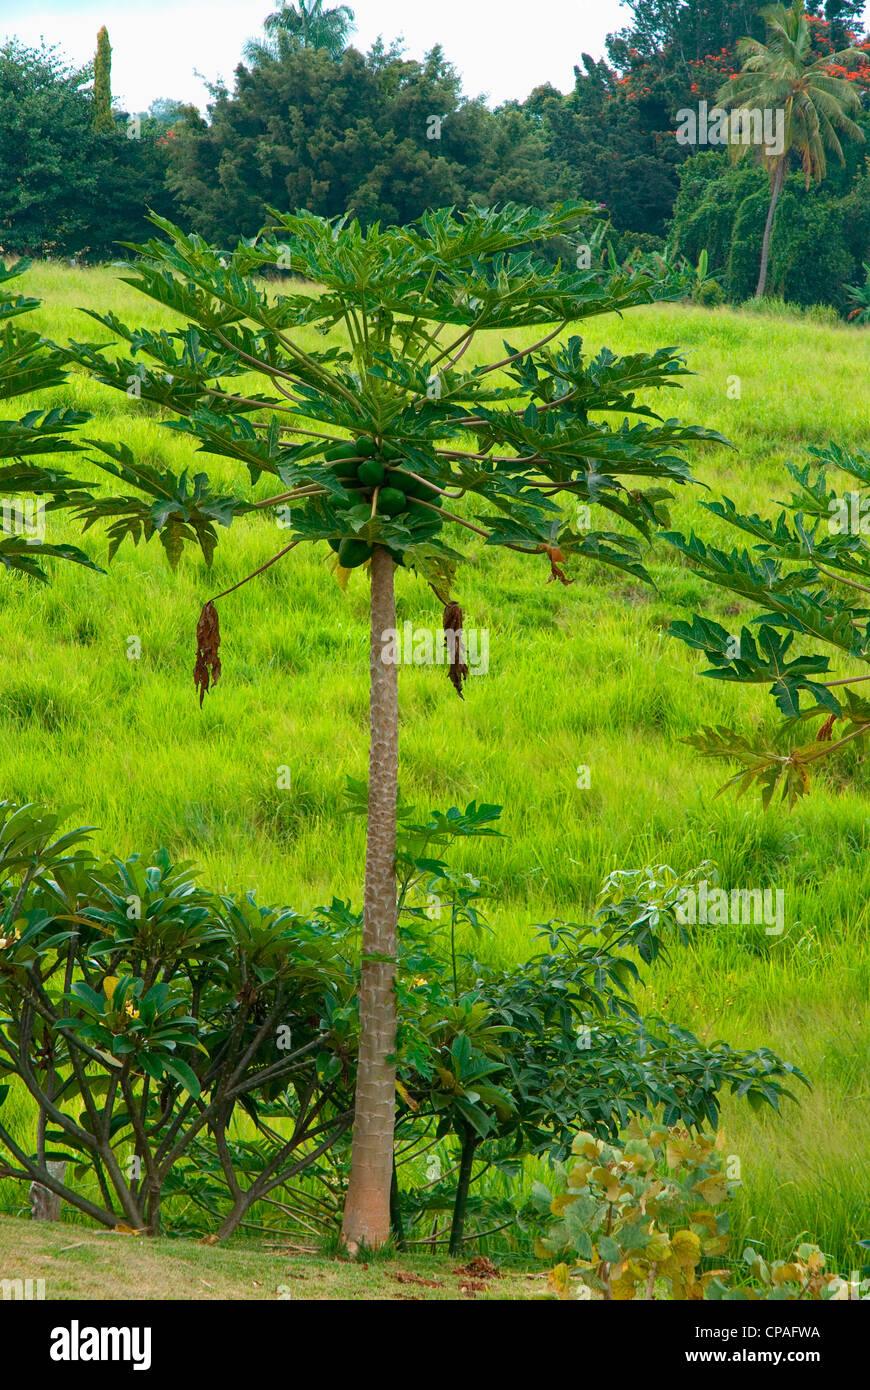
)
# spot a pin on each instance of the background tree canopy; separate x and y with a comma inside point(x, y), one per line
point(65, 187)
point(381, 134)
point(311, 122)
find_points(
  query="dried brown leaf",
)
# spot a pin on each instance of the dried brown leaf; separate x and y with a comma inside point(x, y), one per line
point(207, 670)
point(457, 668)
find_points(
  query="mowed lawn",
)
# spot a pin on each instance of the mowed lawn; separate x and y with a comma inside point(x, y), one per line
point(77, 1264)
point(578, 676)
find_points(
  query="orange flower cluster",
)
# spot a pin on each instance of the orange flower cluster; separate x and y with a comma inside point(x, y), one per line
point(722, 64)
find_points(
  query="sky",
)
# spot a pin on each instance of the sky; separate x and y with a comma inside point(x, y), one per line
point(158, 46)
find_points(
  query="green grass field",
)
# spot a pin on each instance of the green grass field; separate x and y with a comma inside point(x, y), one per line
point(82, 1264)
point(584, 675)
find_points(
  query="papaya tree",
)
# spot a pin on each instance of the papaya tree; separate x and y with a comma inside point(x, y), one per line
point(808, 575)
point(29, 487)
point(390, 441)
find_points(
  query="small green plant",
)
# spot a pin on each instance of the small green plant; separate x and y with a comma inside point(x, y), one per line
point(706, 290)
point(709, 294)
point(636, 1214)
point(648, 1215)
point(672, 275)
point(805, 1277)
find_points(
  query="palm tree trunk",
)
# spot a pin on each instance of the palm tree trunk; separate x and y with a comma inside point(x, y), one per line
point(776, 189)
point(367, 1209)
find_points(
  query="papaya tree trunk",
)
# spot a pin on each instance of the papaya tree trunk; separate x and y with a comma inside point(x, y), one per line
point(367, 1209)
point(776, 189)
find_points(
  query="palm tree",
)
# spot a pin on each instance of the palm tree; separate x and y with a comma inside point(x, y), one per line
point(783, 74)
point(304, 25)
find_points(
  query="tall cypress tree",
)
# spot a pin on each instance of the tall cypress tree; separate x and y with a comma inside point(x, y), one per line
point(104, 122)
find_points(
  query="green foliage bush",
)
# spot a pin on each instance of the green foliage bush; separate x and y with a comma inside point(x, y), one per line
point(811, 257)
point(805, 1277)
point(510, 1062)
point(648, 1214)
point(633, 1214)
point(142, 1012)
point(709, 294)
point(183, 1044)
point(65, 188)
point(819, 234)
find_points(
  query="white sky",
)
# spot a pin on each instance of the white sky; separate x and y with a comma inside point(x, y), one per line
point(503, 48)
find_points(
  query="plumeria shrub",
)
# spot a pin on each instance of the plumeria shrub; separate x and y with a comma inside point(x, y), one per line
point(180, 1043)
point(146, 1016)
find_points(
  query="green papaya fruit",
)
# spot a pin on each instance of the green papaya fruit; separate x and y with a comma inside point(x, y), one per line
point(371, 473)
point(352, 553)
point(344, 469)
point(398, 477)
point(415, 508)
point(342, 460)
point(342, 451)
point(391, 501)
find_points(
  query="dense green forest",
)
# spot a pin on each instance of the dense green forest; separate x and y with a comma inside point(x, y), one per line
point(311, 122)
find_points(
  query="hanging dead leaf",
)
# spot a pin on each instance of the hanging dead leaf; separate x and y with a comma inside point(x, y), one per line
point(824, 734)
point(207, 670)
point(556, 559)
point(457, 669)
